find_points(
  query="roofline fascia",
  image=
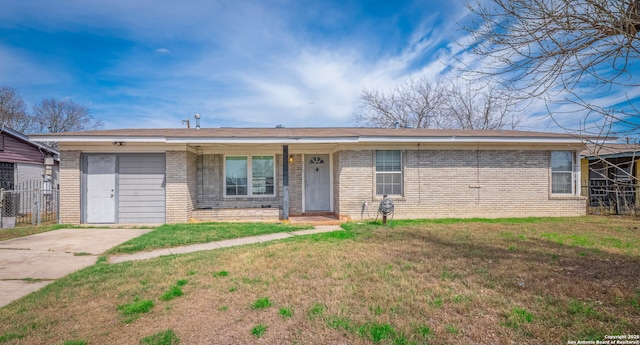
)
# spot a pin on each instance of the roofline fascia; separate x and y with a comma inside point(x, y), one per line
point(93, 139)
point(455, 139)
point(313, 140)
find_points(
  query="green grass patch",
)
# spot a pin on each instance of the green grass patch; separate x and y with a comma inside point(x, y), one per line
point(136, 307)
point(182, 282)
point(10, 336)
point(578, 308)
point(82, 254)
point(338, 235)
point(173, 235)
point(340, 322)
point(75, 342)
point(173, 292)
point(167, 337)
point(451, 329)
point(317, 310)
point(517, 317)
point(377, 332)
point(259, 330)
point(286, 313)
point(436, 302)
point(261, 303)
point(424, 331)
point(221, 274)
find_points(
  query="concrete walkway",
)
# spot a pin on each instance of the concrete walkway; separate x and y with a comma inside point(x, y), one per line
point(220, 244)
point(29, 263)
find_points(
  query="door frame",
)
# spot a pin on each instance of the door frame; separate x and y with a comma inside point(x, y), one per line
point(305, 156)
point(84, 162)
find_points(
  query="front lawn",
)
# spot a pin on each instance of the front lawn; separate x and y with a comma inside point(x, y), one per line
point(173, 235)
point(528, 281)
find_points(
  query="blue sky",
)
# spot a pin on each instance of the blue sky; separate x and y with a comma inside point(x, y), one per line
point(237, 63)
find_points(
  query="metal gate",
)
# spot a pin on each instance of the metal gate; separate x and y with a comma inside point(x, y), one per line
point(29, 203)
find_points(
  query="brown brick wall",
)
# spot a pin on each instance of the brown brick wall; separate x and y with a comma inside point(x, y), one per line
point(70, 179)
point(457, 183)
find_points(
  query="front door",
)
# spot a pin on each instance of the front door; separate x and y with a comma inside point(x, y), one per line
point(101, 189)
point(317, 183)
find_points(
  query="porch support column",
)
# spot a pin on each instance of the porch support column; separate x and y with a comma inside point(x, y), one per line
point(285, 182)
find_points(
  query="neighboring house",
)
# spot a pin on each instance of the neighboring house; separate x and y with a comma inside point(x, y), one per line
point(23, 160)
point(175, 175)
point(610, 174)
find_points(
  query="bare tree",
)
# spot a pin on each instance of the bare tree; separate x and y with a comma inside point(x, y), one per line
point(469, 107)
point(570, 51)
point(13, 110)
point(54, 116)
point(422, 104)
point(411, 104)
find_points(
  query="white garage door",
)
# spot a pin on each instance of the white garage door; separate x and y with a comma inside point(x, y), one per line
point(141, 188)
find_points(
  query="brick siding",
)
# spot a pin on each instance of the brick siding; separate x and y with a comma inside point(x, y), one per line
point(436, 184)
point(177, 187)
point(70, 187)
point(456, 183)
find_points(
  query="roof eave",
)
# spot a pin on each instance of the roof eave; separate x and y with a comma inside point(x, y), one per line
point(310, 140)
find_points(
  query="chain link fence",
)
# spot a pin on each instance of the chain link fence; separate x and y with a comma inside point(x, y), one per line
point(29, 203)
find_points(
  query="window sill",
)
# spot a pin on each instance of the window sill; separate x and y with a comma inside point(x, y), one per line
point(251, 197)
point(393, 197)
point(566, 197)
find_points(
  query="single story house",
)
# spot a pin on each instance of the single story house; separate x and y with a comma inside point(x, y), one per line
point(176, 175)
point(610, 175)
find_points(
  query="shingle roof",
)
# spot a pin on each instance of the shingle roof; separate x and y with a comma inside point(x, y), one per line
point(607, 150)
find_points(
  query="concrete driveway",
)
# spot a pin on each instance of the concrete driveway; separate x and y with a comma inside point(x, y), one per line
point(29, 263)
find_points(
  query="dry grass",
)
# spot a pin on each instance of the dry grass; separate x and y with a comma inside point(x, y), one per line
point(529, 282)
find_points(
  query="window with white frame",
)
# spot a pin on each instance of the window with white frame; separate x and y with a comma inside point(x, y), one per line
point(563, 172)
point(388, 172)
point(249, 175)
